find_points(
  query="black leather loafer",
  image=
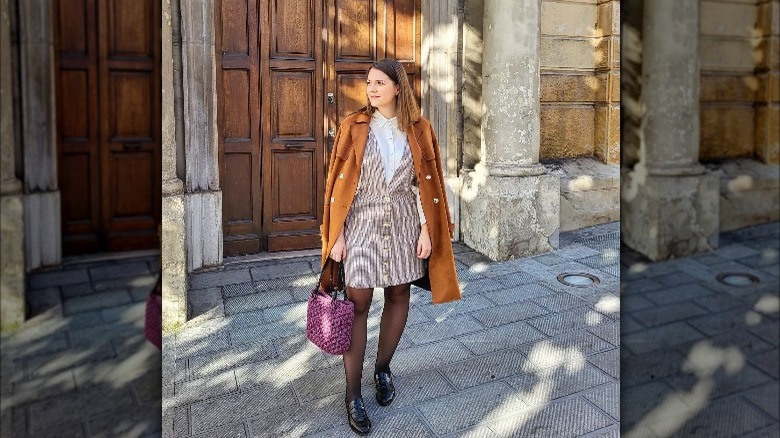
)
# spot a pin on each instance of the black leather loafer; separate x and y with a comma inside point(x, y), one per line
point(385, 390)
point(358, 417)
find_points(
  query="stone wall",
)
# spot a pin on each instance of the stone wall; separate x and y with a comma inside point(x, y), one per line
point(580, 79)
point(740, 82)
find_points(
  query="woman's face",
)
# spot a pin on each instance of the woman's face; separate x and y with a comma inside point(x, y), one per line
point(380, 89)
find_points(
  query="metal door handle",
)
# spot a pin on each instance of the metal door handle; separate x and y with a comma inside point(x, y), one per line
point(294, 145)
point(331, 98)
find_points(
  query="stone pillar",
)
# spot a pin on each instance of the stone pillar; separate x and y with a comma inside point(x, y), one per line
point(203, 198)
point(510, 207)
point(39, 134)
point(441, 85)
point(767, 70)
point(12, 303)
point(669, 203)
point(173, 253)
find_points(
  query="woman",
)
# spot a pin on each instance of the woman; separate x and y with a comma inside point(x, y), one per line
point(385, 215)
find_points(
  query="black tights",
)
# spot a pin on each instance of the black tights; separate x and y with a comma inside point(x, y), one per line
point(391, 327)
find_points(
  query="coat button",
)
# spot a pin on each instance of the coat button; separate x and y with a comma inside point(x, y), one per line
point(332, 200)
point(427, 177)
point(435, 200)
point(341, 175)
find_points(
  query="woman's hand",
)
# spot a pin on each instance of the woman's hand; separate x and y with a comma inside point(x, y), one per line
point(339, 251)
point(424, 243)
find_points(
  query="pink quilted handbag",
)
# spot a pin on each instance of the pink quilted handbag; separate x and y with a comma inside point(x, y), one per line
point(328, 317)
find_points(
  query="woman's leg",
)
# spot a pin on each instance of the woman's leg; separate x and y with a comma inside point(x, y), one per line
point(393, 322)
point(353, 358)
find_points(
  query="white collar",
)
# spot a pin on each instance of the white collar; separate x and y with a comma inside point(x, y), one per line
point(381, 120)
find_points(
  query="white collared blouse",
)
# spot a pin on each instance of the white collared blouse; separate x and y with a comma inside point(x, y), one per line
point(392, 143)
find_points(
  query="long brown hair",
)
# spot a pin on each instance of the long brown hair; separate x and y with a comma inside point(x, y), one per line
point(407, 110)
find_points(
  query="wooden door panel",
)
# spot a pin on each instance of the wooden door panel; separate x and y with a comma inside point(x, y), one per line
point(403, 33)
point(356, 29)
point(292, 105)
point(351, 91)
point(77, 126)
point(291, 33)
point(130, 111)
point(238, 119)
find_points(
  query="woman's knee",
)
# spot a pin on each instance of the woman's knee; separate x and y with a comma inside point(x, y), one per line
point(398, 294)
point(361, 299)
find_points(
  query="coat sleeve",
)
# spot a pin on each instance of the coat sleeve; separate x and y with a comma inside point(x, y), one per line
point(440, 171)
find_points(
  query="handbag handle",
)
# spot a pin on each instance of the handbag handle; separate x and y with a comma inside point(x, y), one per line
point(330, 266)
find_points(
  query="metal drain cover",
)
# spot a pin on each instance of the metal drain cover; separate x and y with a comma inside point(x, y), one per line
point(739, 279)
point(579, 279)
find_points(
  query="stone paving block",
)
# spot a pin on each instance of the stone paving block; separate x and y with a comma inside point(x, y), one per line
point(709, 258)
point(39, 366)
point(550, 259)
point(567, 321)
point(568, 417)
point(280, 270)
point(64, 277)
point(509, 313)
point(417, 316)
point(607, 432)
point(47, 301)
point(577, 251)
point(445, 328)
point(469, 303)
point(136, 421)
point(661, 315)
point(83, 320)
point(678, 293)
point(211, 363)
point(147, 388)
point(724, 384)
point(305, 420)
point(319, 384)
point(42, 345)
point(126, 313)
point(713, 324)
point(635, 288)
point(566, 347)
point(607, 361)
point(484, 369)
point(606, 398)
point(205, 280)
point(18, 422)
point(208, 414)
point(263, 300)
point(660, 338)
point(89, 337)
point(266, 332)
point(748, 343)
point(181, 421)
point(123, 269)
point(471, 258)
point(675, 279)
point(723, 418)
point(96, 301)
point(559, 302)
point(425, 357)
point(766, 397)
point(246, 319)
point(513, 280)
point(643, 368)
point(201, 389)
point(540, 386)
point(298, 346)
point(39, 388)
point(638, 401)
point(75, 290)
point(145, 282)
point(92, 401)
point(608, 332)
point(629, 325)
point(735, 251)
point(719, 302)
point(492, 401)
point(767, 362)
point(208, 344)
point(501, 337)
point(234, 430)
point(411, 390)
point(605, 259)
point(478, 286)
point(121, 372)
point(285, 368)
point(519, 293)
point(71, 429)
point(767, 331)
point(405, 424)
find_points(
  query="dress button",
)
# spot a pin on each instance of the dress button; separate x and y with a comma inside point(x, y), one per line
point(387, 199)
point(332, 200)
point(387, 237)
point(385, 224)
point(427, 177)
point(435, 200)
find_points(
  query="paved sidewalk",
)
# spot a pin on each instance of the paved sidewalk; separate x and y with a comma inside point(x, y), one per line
point(700, 358)
point(521, 355)
point(81, 366)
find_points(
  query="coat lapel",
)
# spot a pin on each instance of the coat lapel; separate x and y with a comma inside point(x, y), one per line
point(412, 134)
point(360, 136)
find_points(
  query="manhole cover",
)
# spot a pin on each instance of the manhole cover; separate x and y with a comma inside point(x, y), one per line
point(739, 279)
point(578, 279)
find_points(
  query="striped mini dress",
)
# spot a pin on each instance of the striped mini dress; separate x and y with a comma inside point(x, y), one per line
point(382, 227)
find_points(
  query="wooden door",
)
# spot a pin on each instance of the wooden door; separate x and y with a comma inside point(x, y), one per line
point(279, 60)
point(108, 110)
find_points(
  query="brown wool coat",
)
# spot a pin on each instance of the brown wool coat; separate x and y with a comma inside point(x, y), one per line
point(343, 175)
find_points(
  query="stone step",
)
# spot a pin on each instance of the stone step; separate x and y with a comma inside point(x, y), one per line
point(590, 192)
point(748, 192)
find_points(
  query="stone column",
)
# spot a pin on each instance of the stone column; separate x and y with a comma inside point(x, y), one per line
point(441, 85)
point(669, 203)
point(203, 199)
point(12, 304)
point(39, 134)
point(510, 207)
point(173, 253)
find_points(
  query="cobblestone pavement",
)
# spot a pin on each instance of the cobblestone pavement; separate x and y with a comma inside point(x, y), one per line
point(700, 358)
point(81, 367)
point(521, 354)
